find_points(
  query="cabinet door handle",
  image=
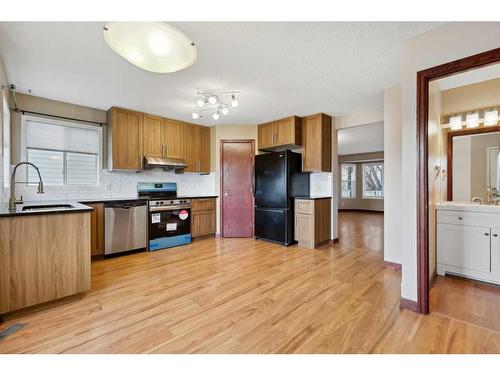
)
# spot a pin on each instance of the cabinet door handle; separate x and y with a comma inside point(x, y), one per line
point(486, 234)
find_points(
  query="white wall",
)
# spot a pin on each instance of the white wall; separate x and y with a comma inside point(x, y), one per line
point(361, 117)
point(335, 182)
point(392, 174)
point(4, 156)
point(438, 46)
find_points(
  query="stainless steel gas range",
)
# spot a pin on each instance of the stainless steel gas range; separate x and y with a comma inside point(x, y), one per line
point(169, 218)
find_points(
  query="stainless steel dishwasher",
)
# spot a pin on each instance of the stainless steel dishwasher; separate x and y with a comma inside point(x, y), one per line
point(125, 226)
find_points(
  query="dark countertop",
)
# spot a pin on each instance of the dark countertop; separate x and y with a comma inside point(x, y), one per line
point(77, 207)
point(312, 197)
point(100, 200)
point(196, 196)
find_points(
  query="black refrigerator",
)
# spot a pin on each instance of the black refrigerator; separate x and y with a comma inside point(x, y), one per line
point(278, 179)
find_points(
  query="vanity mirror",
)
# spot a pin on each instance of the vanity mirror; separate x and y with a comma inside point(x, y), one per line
point(473, 165)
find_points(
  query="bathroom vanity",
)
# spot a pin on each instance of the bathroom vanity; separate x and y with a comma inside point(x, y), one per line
point(468, 240)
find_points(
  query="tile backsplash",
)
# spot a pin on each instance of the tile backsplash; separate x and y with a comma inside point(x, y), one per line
point(122, 185)
point(320, 184)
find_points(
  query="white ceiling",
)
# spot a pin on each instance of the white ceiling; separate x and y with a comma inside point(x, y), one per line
point(360, 139)
point(470, 77)
point(281, 68)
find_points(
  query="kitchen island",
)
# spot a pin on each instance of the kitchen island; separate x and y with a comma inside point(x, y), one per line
point(44, 253)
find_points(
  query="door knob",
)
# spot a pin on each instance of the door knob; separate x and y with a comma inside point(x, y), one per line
point(226, 194)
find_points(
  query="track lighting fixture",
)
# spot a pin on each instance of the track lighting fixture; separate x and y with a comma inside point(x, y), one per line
point(216, 101)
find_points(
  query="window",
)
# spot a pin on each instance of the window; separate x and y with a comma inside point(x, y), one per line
point(66, 153)
point(373, 180)
point(348, 181)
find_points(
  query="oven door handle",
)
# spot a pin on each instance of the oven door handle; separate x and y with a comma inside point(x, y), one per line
point(171, 208)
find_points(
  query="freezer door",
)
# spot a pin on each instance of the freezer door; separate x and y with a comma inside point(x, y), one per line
point(274, 225)
point(271, 180)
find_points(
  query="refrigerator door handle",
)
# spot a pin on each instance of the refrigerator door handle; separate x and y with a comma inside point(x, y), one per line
point(253, 181)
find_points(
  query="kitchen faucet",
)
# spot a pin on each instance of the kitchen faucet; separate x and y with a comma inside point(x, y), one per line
point(12, 199)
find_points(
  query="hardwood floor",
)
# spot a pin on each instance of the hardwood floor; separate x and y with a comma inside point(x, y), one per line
point(247, 296)
point(466, 300)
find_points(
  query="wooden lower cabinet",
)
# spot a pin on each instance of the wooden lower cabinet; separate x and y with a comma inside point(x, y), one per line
point(203, 221)
point(312, 222)
point(96, 228)
point(43, 258)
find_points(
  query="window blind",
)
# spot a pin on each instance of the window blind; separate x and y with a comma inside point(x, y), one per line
point(65, 154)
point(43, 135)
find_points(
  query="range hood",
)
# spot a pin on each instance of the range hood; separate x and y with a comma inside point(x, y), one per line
point(167, 164)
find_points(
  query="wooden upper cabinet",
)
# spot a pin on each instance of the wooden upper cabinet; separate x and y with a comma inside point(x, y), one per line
point(152, 141)
point(125, 139)
point(172, 141)
point(204, 150)
point(317, 143)
point(197, 153)
point(133, 135)
point(289, 132)
point(266, 135)
point(281, 134)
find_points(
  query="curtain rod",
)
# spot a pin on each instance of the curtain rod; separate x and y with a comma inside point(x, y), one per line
point(23, 111)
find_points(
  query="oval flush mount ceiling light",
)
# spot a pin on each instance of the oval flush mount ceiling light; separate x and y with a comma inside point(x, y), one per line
point(153, 46)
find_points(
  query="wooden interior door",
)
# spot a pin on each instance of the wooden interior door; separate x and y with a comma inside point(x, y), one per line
point(237, 201)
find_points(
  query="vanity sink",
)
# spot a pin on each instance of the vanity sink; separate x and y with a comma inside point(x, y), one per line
point(48, 207)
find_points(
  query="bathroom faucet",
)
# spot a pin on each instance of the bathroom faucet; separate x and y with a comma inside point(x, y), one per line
point(478, 199)
point(12, 199)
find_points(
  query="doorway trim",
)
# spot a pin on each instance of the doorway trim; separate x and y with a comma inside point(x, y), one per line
point(221, 181)
point(423, 79)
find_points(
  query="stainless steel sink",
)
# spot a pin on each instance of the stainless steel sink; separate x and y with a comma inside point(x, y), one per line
point(48, 207)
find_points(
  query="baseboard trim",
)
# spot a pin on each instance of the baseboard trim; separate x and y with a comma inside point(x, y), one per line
point(433, 278)
point(408, 304)
point(392, 265)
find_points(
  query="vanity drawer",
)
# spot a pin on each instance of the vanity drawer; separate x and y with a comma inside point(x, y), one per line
point(468, 218)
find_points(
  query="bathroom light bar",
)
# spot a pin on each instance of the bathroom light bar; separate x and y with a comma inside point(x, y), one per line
point(456, 122)
point(491, 117)
point(473, 119)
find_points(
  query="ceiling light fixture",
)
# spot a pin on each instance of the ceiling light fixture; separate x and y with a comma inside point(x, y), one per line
point(153, 46)
point(456, 122)
point(472, 120)
point(491, 117)
point(234, 102)
point(216, 102)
